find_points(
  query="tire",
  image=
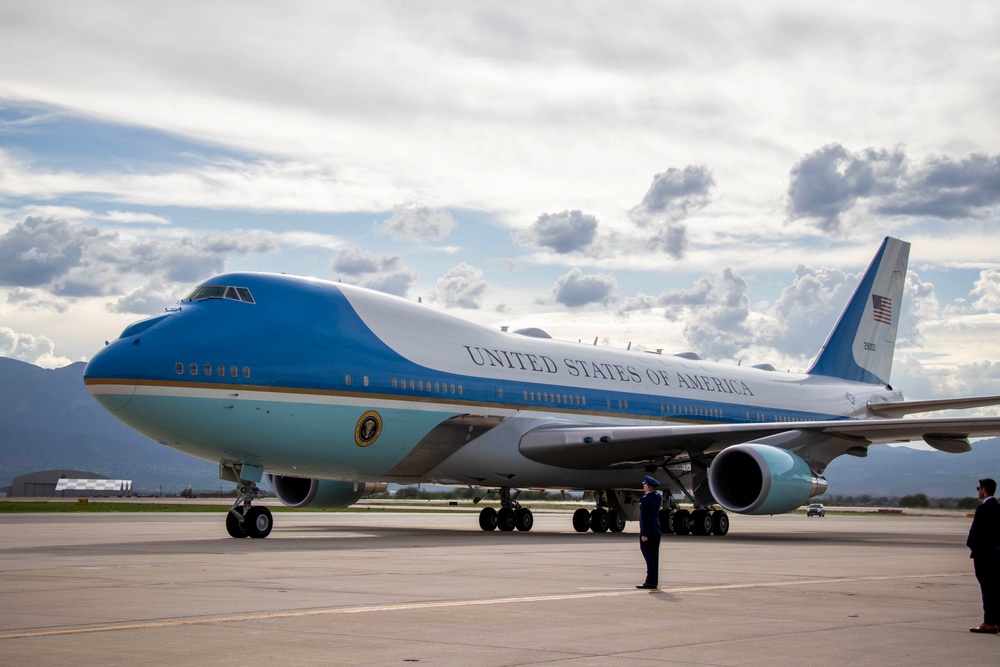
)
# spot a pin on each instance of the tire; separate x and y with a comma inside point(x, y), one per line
point(701, 522)
point(258, 522)
point(600, 520)
point(488, 519)
point(720, 523)
point(233, 525)
point(523, 519)
point(666, 521)
point(682, 522)
point(617, 522)
point(581, 520)
point(506, 519)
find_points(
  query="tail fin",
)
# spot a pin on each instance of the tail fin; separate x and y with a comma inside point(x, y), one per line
point(861, 346)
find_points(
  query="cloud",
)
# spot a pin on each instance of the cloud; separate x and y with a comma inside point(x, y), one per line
point(807, 309)
point(135, 217)
point(418, 223)
point(40, 250)
point(564, 232)
point(385, 273)
point(575, 289)
point(948, 188)
point(38, 350)
point(987, 290)
point(829, 182)
point(671, 239)
point(144, 301)
point(73, 261)
point(674, 195)
point(462, 286)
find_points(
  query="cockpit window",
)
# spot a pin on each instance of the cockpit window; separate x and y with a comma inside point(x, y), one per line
point(219, 292)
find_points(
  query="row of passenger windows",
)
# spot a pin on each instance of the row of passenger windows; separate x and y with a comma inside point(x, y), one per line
point(438, 387)
point(420, 385)
point(552, 397)
point(208, 370)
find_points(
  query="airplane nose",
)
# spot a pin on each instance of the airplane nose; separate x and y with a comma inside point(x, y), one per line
point(109, 375)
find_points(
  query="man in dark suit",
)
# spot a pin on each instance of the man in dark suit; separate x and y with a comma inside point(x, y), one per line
point(984, 542)
point(649, 531)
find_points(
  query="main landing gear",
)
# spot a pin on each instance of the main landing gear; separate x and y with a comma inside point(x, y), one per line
point(601, 519)
point(245, 520)
point(697, 522)
point(510, 516)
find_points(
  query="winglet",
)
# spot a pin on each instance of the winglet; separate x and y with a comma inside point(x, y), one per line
point(861, 345)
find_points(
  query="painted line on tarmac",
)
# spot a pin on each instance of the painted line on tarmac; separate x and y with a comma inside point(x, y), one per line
point(446, 604)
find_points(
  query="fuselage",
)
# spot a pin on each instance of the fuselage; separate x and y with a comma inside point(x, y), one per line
point(283, 371)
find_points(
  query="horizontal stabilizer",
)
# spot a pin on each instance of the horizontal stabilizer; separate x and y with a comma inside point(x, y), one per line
point(913, 407)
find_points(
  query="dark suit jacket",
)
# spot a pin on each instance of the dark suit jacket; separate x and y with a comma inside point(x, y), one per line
point(984, 534)
point(649, 514)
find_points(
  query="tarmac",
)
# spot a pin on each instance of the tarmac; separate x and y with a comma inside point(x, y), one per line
point(381, 588)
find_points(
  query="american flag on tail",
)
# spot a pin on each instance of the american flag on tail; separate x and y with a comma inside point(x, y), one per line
point(882, 309)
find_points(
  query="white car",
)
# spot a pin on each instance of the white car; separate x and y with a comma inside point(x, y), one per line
point(816, 509)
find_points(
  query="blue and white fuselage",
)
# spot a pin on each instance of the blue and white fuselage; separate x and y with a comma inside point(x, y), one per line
point(314, 380)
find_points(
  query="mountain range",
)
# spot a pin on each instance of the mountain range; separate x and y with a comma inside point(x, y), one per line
point(48, 421)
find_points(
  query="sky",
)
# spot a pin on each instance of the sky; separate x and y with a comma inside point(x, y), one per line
point(708, 177)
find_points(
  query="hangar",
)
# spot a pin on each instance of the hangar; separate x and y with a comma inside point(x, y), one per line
point(70, 483)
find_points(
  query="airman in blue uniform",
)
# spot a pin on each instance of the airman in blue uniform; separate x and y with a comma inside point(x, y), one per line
point(649, 531)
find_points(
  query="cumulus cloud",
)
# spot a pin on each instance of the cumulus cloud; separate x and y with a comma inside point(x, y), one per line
point(831, 181)
point(67, 260)
point(418, 223)
point(145, 301)
point(948, 188)
point(674, 195)
point(564, 232)
point(40, 250)
point(462, 286)
point(987, 290)
point(671, 239)
point(385, 273)
point(575, 289)
point(808, 308)
point(38, 350)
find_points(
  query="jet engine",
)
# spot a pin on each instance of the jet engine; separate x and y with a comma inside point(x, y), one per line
point(760, 479)
point(320, 494)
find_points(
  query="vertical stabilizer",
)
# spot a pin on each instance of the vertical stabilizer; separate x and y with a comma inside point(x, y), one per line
point(861, 346)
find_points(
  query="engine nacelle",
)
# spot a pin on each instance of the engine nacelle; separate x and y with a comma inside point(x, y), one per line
point(320, 494)
point(760, 479)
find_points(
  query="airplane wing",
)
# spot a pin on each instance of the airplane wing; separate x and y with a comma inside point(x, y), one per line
point(911, 407)
point(597, 446)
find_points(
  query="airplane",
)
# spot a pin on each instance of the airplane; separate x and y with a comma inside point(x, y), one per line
point(331, 392)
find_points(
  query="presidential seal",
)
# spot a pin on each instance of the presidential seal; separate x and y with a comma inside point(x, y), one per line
point(368, 429)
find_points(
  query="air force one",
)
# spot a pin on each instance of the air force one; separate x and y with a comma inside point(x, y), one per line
point(334, 391)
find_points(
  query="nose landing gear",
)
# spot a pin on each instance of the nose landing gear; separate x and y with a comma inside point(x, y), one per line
point(245, 520)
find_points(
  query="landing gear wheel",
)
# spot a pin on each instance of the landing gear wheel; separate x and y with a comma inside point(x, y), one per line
point(617, 522)
point(258, 522)
point(581, 520)
point(233, 525)
point(506, 520)
point(666, 521)
point(701, 522)
point(488, 519)
point(523, 519)
point(682, 522)
point(600, 520)
point(720, 522)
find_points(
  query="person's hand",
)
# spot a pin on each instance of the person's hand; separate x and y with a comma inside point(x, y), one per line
point(644, 538)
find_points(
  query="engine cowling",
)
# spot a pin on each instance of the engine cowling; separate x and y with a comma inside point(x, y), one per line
point(760, 479)
point(319, 494)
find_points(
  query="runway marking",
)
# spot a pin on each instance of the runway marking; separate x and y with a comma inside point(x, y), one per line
point(445, 604)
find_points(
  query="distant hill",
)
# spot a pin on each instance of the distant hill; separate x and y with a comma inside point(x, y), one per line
point(48, 421)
